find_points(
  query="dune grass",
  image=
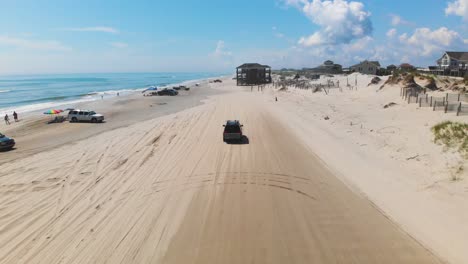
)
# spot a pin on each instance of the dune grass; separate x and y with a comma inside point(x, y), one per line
point(452, 135)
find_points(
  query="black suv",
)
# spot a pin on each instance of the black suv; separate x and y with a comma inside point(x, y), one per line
point(170, 92)
point(6, 143)
point(232, 131)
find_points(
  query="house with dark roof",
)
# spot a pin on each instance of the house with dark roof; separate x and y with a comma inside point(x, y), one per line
point(406, 67)
point(253, 74)
point(328, 67)
point(391, 67)
point(366, 67)
point(453, 60)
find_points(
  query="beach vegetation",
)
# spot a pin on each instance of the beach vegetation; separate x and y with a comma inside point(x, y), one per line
point(452, 135)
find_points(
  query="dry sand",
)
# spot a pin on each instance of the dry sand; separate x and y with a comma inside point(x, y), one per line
point(389, 156)
point(168, 190)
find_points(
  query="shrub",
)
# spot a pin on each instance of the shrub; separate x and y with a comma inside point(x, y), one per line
point(453, 135)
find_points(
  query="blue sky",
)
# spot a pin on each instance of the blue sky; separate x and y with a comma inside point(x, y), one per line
point(148, 36)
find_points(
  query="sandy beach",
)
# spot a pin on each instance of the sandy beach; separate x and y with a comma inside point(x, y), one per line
point(156, 183)
point(34, 133)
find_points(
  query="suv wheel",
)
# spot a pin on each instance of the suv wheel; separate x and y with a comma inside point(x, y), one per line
point(94, 120)
point(74, 119)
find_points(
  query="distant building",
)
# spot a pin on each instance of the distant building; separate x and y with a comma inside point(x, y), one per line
point(453, 61)
point(366, 67)
point(406, 67)
point(253, 74)
point(328, 67)
point(391, 68)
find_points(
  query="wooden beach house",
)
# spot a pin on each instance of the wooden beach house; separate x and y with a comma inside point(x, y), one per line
point(366, 67)
point(253, 74)
point(452, 63)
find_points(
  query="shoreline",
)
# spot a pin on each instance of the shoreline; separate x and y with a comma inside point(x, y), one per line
point(33, 133)
point(92, 96)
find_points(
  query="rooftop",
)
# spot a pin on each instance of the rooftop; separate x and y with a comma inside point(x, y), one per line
point(458, 55)
point(253, 66)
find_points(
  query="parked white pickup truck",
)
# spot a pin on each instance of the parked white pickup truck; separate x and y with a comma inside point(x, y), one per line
point(77, 115)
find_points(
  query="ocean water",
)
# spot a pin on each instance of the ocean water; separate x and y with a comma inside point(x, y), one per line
point(36, 92)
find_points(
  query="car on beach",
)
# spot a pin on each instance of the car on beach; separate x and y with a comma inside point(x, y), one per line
point(232, 131)
point(170, 92)
point(6, 143)
point(77, 115)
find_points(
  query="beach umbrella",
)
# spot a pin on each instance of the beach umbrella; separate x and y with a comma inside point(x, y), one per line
point(53, 112)
point(152, 88)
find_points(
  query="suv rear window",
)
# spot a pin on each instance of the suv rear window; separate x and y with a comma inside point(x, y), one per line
point(232, 129)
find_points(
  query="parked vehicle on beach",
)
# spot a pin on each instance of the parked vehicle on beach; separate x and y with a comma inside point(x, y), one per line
point(77, 115)
point(170, 92)
point(6, 143)
point(232, 131)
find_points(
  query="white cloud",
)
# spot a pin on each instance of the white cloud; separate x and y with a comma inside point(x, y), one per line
point(398, 20)
point(119, 45)
point(391, 33)
point(315, 39)
point(403, 37)
point(404, 59)
point(276, 33)
point(220, 50)
point(93, 29)
point(340, 21)
point(426, 42)
point(24, 43)
point(458, 8)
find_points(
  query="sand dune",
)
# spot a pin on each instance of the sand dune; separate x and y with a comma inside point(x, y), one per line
point(168, 190)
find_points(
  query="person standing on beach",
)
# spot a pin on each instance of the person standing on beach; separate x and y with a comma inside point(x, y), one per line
point(7, 119)
point(102, 97)
point(15, 116)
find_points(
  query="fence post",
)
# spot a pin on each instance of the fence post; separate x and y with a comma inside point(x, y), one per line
point(420, 99)
point(431, 100)
point(409, 98)
point(427, 98)
point(446, 108)
point(446, 97)
point(459, 97)
point(459, 109)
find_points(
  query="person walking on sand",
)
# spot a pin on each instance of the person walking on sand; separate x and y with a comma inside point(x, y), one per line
point(15, 116)
point(7, 119)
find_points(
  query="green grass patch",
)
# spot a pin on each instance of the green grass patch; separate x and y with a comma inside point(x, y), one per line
point(452, 135)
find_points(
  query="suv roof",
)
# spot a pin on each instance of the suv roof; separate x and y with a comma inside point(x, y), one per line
point(81, 110)
point(232, 123)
